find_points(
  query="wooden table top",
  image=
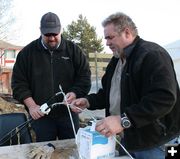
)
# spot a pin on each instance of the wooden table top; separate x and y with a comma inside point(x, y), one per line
point(21, 151)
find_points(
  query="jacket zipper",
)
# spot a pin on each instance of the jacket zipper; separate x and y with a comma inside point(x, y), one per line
point(52, 73)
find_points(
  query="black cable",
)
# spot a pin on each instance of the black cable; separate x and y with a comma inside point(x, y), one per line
point(20, 127)
point(57, 94)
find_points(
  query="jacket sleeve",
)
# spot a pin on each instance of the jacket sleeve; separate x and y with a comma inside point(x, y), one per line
point(82, 82)
point(97, 101)
point(20, 83)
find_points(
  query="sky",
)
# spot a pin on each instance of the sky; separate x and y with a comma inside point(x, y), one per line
point(156, 20)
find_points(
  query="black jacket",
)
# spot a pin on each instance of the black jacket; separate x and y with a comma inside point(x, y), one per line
point(37, 73)
point(149, 95)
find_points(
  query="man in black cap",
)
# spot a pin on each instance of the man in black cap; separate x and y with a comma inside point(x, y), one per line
point(40, 68)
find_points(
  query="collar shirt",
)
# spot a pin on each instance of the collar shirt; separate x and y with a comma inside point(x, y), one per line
point(115, 90)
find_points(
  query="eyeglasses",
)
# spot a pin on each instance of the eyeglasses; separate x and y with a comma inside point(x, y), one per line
point(50, 34)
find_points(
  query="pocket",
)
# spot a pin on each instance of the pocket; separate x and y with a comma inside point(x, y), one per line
point(162, 127)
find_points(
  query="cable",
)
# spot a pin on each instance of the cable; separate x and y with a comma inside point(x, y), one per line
point(70, 115)
point(14, 131)
point(82, 110)
point(123, 147)
point(85, 111)
point(49, 100)
point(21, 126)
point(68, 106)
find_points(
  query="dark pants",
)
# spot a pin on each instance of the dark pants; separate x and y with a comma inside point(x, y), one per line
point(48, 128)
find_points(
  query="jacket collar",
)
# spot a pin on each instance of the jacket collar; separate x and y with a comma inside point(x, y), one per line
point(60, 47)
point(128, 50)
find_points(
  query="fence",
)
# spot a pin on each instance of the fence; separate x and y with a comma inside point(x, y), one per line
point(98, 63)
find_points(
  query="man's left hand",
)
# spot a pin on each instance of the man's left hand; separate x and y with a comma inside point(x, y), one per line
point(70, 97)
point(109, 126)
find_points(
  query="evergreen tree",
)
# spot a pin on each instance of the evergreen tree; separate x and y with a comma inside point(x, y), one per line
point(84, 35)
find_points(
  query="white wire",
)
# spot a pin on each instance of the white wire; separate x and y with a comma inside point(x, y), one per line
point(72, 122)
point(87, 112)
point(123, 147)
point(68, 106)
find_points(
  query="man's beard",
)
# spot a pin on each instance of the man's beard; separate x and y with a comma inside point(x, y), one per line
point(118, 53)
point(52, 48)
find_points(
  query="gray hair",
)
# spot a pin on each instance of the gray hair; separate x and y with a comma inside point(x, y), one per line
point(121, 21)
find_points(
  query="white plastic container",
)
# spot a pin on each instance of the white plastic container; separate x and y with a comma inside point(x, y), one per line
point(93, 145)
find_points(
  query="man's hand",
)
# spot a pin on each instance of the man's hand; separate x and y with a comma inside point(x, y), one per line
point(70, 97)
point(109, 126)
point(81, 103)
point(35, 112)
point(34, 109)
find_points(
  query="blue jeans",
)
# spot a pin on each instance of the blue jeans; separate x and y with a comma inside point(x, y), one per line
point(155, 153)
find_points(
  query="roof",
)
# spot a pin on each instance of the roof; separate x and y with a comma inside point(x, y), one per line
point(6, 45)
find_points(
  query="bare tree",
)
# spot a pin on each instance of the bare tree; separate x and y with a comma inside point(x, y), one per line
point(6, 19)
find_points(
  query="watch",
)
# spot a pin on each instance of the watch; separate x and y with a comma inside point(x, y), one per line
point(125, 122)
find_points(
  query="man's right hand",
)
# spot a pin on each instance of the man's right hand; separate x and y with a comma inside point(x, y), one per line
point(35, 112)
point(34, 109)
point(81, 103)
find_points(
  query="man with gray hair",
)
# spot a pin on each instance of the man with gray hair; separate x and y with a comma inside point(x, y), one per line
point(139, 91)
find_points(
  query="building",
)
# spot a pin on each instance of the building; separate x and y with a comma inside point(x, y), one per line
point(8, 54)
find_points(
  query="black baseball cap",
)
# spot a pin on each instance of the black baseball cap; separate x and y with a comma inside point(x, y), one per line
point(50, 23)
